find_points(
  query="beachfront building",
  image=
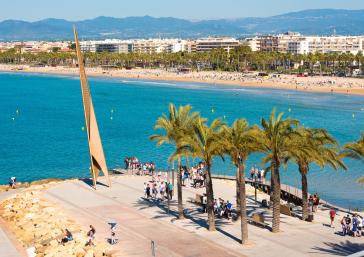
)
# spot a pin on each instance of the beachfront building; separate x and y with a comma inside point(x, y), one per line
point(298, 47)
point(35, 46)
point(296, 43)
point(276, 43)
point(110, 46)
point(208, 44)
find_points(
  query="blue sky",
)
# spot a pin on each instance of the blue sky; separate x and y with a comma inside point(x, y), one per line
point(31, 10)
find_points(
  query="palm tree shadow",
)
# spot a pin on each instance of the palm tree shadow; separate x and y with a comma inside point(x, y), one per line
point(340, 249)
point(190, 214)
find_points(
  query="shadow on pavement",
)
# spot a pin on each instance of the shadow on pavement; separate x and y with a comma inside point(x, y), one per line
point(340, 249)
point(191, 214)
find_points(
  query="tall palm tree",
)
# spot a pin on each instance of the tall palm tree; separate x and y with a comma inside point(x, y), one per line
point(277, 133)
point(205, 143)
point(176, 126)
point(239, 141)
point(356, 150)
point(312, 146)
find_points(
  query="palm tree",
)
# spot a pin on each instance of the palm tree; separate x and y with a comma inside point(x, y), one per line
point(239, 141)
point(176, 126)
point(205, 143)
point(356, 150)
point(277, 133)
point(312, 146)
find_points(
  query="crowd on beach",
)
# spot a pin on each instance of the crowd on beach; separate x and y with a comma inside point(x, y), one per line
point(249, 78)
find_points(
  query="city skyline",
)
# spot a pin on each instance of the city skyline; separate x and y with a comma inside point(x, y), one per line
point(212, 9)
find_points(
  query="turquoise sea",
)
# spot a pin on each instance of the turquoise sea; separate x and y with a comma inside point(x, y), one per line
point(41, 120)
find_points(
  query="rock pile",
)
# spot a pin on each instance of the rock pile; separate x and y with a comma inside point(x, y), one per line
point(40, 225)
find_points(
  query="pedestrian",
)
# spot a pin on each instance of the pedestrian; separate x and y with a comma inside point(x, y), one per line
point(332, 217)
point(360, 225)
point(170, 191)
point(204, 203)
point(91, 236)
point(148, 191)
point(355, 225)
point(252, 171)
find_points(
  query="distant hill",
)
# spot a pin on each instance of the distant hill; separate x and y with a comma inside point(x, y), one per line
point(319, 22)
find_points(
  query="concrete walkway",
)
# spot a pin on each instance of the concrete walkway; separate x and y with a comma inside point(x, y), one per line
point(7, 248)
point(141, 221)
point(136, 231)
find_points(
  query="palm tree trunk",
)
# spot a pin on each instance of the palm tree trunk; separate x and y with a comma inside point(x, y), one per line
point(276, 197)
point(243, 210)
point(238, 179)
point(179, 189)
point(210, 199)
point(303, 172)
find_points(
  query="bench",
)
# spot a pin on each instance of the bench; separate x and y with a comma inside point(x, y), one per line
point(286, 210)
point(197, 200)
point(258, 219)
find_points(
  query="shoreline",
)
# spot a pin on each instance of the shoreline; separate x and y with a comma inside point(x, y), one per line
point(347, 86)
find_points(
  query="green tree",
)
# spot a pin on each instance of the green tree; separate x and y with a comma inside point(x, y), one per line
point(239, 141)
point(276, 136)
point(308, 146)
point(176, 126)
point(355, 150)
point(205, 143)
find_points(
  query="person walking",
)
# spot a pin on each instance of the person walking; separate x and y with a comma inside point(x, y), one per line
point(332, 214)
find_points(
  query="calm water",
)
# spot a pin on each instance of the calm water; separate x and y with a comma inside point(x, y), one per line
point(45, 138)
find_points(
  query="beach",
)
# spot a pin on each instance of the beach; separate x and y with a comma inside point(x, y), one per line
point(74, 204)
point(322, 84)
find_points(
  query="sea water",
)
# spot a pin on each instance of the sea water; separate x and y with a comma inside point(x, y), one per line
point(42, 128)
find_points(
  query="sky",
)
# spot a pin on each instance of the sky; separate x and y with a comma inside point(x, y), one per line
point(31, 10)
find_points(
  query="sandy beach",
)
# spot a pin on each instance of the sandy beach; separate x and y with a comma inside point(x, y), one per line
point(308, 84)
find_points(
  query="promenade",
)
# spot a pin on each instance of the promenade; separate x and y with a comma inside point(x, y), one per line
point(140, 222)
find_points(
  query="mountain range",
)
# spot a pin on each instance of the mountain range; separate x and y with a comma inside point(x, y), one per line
point(312, 22)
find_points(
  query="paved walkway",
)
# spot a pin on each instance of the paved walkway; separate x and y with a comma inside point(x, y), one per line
point(135, 230)
point(140, 222)
point(7, 248)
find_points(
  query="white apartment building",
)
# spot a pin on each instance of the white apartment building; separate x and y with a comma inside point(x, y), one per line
point(253, 43)
point(111, 46)
point(333, 44)
point(208, 44)
point(298, 47)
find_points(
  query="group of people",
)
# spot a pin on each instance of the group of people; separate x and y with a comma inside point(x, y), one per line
point(313, 202)
point(90, 236)
point(158, 190)
point(255, 173)
point(198, 175)
point(352, 226)
point(132, 163)
point(223, 209)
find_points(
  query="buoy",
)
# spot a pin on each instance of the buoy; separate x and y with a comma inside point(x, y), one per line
point(83, 128)
point(13, 118)
point(111, 118)
point(112, 110)
point(289, 109)
point(17, 111)
point(212, 110)
point(353, 116)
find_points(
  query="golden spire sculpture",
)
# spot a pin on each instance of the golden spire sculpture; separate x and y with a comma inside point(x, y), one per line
point(97, 157)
